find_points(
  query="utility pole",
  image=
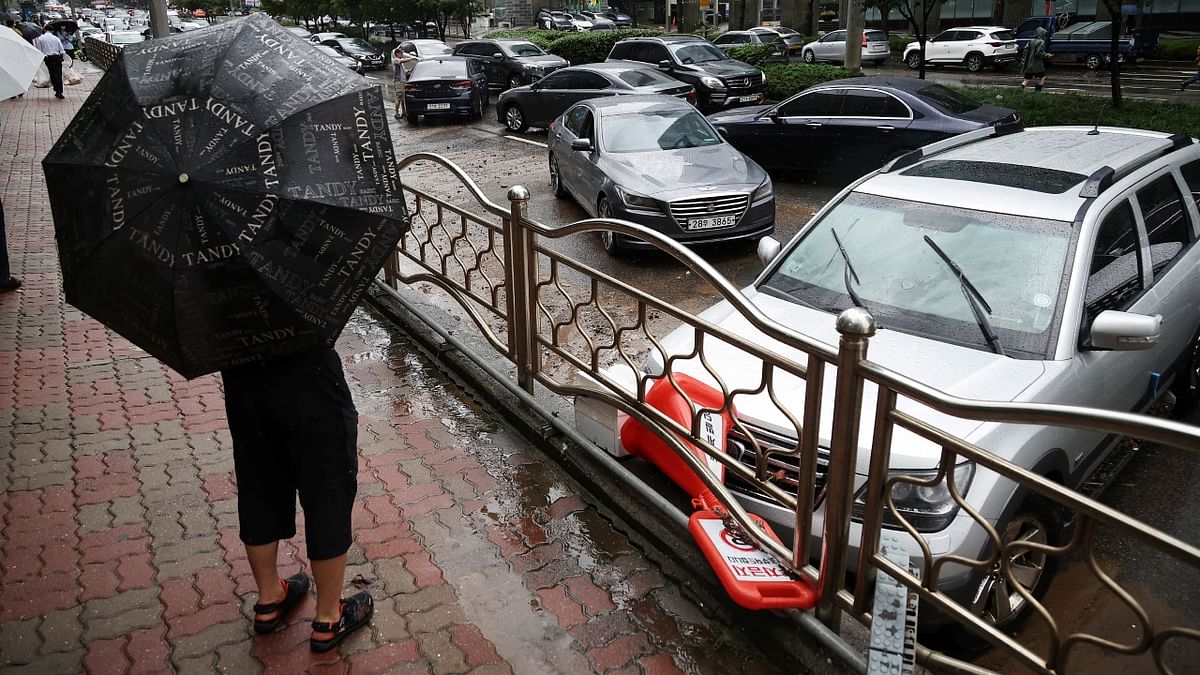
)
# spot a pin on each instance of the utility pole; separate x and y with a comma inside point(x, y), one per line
point(854, 33)
point(158, 19)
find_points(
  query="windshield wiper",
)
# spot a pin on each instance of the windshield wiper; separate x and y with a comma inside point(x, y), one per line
point(975, 299)
point(848, 272)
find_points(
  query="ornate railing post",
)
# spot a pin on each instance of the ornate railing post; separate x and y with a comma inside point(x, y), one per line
point(520, 276)
point(856, 326)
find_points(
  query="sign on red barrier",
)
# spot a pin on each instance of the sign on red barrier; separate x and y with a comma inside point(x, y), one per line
point(751, 576)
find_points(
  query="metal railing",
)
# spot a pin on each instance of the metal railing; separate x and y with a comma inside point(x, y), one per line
point(568, 327)
point(100, 52)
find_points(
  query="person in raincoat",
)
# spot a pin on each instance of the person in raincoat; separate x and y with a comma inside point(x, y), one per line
point(1033, 64)
point(1194, 78)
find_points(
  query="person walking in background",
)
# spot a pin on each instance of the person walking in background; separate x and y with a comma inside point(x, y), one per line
point(7, 281)
point(295, 431)
point(49, 44)
point(68, 44)
point(1033, 64)
point(400, 76)
point(1195, 76)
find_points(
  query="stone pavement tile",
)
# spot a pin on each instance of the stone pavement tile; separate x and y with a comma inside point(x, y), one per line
point(19, 642)
point(477, 649)
point(442, 653)
point(209, 639)
point(385, 658)
point(106, 657)
point(64, 662)
point(619, 652)
point(61, 630)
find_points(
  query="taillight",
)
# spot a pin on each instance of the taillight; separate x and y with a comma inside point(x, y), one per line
point(691, 97)
point(995, 44)
point(465, 84)
point(410, 86)
point(551, 127)
point(864, 39)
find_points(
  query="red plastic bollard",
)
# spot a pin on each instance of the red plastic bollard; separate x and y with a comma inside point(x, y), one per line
point(753, 578)
point(642, 442)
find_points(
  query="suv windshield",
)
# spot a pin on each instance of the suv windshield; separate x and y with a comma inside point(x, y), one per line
point(653, 130)
point(522, 49)
point(1017, 263)
point(702, 52)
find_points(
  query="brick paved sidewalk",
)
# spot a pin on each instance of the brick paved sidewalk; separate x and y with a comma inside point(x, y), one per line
point(119, 548)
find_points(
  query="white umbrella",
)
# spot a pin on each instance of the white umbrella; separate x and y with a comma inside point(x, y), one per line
point(19, 62)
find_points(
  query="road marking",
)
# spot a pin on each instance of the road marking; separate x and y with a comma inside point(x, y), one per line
point(525, 140)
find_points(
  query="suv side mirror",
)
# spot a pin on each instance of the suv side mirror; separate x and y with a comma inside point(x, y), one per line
point(1124, 331)
point(497, 55)
point(768, 248)
point(664, 64)
point(582, 144)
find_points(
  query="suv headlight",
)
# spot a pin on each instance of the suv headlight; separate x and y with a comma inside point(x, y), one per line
point(765, 190)
point(928, 508)
point(712, 82)
point(636, 201)
point(764, 74)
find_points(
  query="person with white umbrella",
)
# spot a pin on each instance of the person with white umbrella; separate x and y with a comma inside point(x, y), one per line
point(19, 62)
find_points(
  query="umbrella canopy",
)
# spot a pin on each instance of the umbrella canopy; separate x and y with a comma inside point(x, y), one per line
point(29, 30)
point(225, 196)
point(67, 25)
point(19, 62)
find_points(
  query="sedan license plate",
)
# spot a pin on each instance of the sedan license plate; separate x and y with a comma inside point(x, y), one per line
point(438, 106)
point(711, 223)
point(748, 99)
point(878, 48)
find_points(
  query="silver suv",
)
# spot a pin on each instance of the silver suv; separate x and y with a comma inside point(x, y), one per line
point(1050, 265)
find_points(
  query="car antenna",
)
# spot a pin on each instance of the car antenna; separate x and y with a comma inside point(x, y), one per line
point(1096, 125)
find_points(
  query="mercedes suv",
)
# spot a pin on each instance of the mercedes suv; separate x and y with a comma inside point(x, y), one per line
point(720, 81)
point(1051, 265)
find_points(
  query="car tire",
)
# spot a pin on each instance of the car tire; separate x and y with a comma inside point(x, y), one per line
point(809, 56)
point(514, 118)
point(913, 60)
point(514, 81)
point(1187, 380)
point(411, 117)
point(1093, 62)
point(610, 240)
point(556, 179)
point(973, 62)
point(879, 62)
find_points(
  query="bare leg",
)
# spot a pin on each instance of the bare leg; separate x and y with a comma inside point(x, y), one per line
point(329, 576)
point(266, 576)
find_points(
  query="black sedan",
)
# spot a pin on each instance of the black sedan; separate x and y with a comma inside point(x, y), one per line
point(538, 104)
point(367, 55)
point(446, 86)
point(849, 127)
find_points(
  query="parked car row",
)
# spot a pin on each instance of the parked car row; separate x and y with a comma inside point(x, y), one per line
point(566, 20)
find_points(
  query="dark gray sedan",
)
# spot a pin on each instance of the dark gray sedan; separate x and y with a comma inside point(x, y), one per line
point(656, 161)
point(540, 103)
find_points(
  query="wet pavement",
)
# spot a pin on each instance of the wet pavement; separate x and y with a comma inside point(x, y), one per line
point(119, 548)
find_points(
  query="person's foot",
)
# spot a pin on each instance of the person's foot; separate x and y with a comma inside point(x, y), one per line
point(1182, 87)
point(59, 96)
point(355, 612)
point(10, 284)
point(268, 615)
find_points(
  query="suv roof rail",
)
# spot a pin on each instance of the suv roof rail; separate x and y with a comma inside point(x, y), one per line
point(1100, 180)
point(912, 157)
point(1180, 141)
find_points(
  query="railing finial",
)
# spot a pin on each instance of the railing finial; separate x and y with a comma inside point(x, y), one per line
point(518, 193)
point(856, 322)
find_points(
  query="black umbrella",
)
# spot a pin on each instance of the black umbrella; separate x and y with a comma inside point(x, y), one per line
point(225, 196)
point(29, 31)
point(67, 25)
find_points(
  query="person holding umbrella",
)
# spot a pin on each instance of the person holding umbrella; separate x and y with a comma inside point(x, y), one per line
point(400, 76)
point(52, 49)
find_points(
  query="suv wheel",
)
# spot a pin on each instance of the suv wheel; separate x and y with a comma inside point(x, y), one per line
point(913, 60)
point(1093, 62)
point(809, 56)
point(514, 81)
point(974, 62)
point(514, 118)
point(1187, 381)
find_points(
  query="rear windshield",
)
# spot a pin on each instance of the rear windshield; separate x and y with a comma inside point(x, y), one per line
point(439, 69)
point(876, 36)
point(644, 78)
point(945, 99)
point(1049, 181)
point(699, 53)
point(522, 49)
point(1003, 35)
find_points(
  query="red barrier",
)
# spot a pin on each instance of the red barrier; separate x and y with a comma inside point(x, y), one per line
point(752, 577)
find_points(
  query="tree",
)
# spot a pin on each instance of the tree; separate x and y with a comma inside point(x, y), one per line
point(917, 12)
point(1114, 53)
point(463, 11)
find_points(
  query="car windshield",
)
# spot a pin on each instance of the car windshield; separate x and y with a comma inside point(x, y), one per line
point(876, 36)
point(652, 130)
point(946, 100)
point(1017, 263)
point(523, 49)
point(702, 52)
point(356, 44)
point(126, 38)
point(645, 78)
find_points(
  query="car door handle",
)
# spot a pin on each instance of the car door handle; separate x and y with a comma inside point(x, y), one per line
point(885, 127)
point(813, 125)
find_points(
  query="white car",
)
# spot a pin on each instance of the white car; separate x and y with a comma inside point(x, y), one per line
point(426, 49)
point(120, 38)
point(580, 21)
point(318, 38)
point(1051, 265)
point(974, 47)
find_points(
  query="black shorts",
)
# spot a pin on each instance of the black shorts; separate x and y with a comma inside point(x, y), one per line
point(1035, 76)
point(294, 430)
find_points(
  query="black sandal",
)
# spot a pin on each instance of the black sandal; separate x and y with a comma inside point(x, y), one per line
point(295, 589)
point(356, 611)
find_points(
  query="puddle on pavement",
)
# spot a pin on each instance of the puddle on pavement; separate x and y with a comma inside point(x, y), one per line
point(399, 381)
